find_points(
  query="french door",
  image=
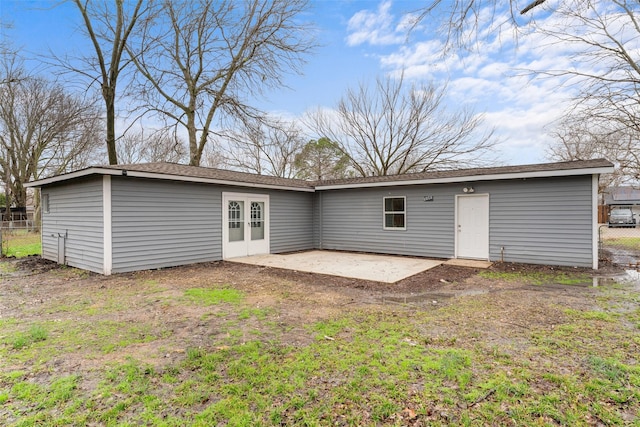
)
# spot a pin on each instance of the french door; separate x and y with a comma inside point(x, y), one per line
point(245, 224)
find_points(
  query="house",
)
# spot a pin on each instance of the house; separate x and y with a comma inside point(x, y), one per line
point(113, 219)
point(623, 196)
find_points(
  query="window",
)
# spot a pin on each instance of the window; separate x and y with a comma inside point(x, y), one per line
point(45, 203)
point(235, 215)
point(395, 213)
point(256, 214)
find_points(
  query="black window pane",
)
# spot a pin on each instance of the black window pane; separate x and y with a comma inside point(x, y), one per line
point(398, 220)
point(394, 204)
point(388, 204)
point(394, 220)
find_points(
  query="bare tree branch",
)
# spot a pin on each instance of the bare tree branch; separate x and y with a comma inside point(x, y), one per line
point(394, 129)
point(264, 148)
point(43, 130)
point(108, 43)
point(151, 146)
point(531, 5)
point(205, 66)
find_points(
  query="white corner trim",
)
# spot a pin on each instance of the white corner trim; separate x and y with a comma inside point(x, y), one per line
point(106, 230)
point(596, 226)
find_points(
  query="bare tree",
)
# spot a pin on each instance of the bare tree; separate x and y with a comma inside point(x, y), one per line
point(600, 39)
point(108, 26)
point(582, 138)
point(213, 157)
point(264, 148)
point(467, 23)
point(394, 129)
point(151, 146)
point(43, 131)
point(603, 39)
point(202, 62)
point(604, 119)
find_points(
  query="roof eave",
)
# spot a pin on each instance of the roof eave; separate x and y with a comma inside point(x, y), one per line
point(154, 175)
point(470, 178)
point(73, 175)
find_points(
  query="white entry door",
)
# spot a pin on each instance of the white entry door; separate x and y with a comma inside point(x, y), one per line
point(472, 226)
point(245, 224)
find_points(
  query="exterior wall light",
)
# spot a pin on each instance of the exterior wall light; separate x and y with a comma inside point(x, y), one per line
point(468, 190)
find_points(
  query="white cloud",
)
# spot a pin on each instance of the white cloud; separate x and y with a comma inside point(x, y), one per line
point(375, 27)
point(500, 76)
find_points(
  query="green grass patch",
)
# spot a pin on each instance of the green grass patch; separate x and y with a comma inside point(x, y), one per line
point(206, 296)
point(22, 339)
point(632, 243)
point(43, 342)
point(593, 315)
point(538, 278)
point(371, 365)
point(20, 244)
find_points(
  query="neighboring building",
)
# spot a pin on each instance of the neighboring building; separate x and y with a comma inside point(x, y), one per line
point(623, 196)
point(113, 219)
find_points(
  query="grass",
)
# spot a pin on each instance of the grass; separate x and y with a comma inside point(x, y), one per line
point(20, 243)
point(213, 296)
point(362, 366)
point(539, 278)
point(631, 243)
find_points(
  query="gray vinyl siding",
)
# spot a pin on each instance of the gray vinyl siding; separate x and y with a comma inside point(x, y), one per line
point(159, 224)
point(290, 218)
point(541, 221)
point(75, 209)
point(291, 221)
point(317, 220)
point(353, 220)
point(537, 221)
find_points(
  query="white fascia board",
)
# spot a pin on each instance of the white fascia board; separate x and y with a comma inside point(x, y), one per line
point(153, 175)
point(472, 178)
point(72, 175)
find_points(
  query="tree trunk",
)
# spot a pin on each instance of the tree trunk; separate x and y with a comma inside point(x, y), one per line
point(195, 155)
point(109, 99)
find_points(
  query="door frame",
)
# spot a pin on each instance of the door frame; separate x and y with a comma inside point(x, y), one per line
point(247, 198)
point(456, 223)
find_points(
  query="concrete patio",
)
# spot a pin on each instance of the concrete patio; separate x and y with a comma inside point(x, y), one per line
point(379, 268)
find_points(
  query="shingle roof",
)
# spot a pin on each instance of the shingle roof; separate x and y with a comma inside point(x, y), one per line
point(460, 173)
point(176, 169)
point(220, 176)
point(623, 195)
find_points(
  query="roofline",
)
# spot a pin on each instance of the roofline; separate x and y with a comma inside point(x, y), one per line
point(155, 175)
point(444, 180)
point(469, 178)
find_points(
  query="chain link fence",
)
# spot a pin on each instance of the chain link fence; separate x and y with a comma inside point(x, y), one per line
point(620, 244)
point(19, 238)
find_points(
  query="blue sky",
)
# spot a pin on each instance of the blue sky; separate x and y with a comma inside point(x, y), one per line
point(360, 40)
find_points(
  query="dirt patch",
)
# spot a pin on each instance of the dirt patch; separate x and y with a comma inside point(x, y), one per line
point(39, 289)
point(458, 330)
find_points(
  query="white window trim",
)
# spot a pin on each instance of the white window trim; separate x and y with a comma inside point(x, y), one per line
point(384, 213)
